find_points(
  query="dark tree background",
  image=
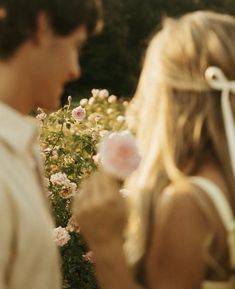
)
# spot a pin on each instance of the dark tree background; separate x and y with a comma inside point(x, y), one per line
point(112, 59)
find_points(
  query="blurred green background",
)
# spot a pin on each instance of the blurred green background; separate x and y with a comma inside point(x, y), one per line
point(112, 59)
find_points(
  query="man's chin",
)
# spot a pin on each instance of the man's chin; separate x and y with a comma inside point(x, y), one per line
point(50, 106)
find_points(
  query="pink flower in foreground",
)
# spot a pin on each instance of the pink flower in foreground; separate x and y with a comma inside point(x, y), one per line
point(79, 113)
point(119, 154)
point(61, 236)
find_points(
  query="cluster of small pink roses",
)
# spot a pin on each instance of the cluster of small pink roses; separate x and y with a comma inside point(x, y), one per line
point(118, 152)
point(67, 188)
point(79, 113)
point(74, 142)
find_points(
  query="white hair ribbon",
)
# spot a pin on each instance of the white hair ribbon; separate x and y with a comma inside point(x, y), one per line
point(218, 81)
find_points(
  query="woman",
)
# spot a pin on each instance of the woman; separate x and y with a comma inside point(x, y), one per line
point(39, 43)
point(181, 231)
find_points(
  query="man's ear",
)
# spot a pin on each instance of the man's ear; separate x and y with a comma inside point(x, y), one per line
point(43, 29)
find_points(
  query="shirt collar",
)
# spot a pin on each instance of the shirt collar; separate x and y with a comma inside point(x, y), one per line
point(17, 130)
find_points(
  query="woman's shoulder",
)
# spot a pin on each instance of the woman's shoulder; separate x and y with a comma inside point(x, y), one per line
point(188, 188)
point(177, 237)
point(178, 202)
point(189, 204)
point(189, 197)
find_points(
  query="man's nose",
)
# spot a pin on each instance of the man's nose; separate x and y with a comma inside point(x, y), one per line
point(75, 73)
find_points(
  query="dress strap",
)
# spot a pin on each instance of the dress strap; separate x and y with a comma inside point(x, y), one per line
point(223, 207)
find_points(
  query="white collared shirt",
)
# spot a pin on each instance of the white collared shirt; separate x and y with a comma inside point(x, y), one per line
point(28, 256)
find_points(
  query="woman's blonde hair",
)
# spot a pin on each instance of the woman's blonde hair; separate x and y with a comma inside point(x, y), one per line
point(177, 116)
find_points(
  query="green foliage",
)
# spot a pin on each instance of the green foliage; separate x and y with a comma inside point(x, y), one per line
point(69, 148)
point(113, 58)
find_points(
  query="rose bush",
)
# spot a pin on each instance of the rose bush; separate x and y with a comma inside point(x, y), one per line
point(69, 139)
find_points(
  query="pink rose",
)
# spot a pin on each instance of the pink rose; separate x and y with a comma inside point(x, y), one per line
point(79, 113)
point(72, 225)
point(95, 92)
point(91, 100)
point(88, 257)
point(61, 236)
point(59, 179)
point(84, 102)
point(66, 193)
point(112, 99)
point(119, 154)
point(41, 116)
point(104, 93)
point(69, 190)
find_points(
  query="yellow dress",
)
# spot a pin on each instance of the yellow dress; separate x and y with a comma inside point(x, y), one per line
point(226, 215)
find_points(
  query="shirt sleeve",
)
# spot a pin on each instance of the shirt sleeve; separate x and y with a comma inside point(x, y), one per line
point(6, 233)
